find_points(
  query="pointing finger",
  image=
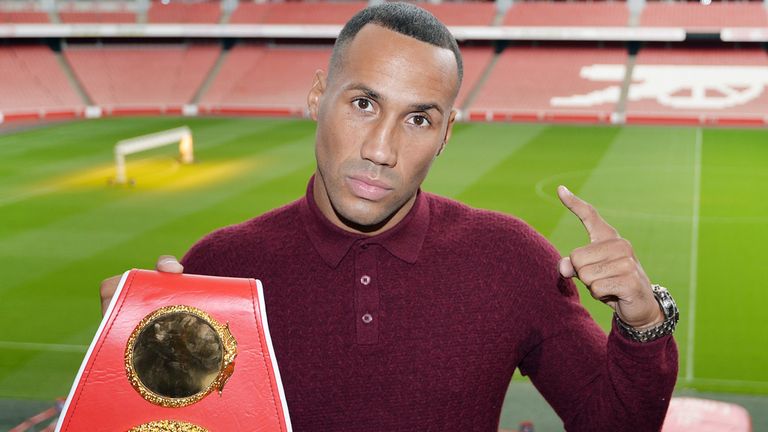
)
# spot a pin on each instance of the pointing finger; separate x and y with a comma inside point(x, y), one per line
point(597, 228)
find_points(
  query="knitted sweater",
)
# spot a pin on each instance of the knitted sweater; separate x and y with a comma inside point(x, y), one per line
point(420, 328)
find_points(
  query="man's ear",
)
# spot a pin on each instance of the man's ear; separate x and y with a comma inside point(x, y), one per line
point(448, 131)
point(316, 93)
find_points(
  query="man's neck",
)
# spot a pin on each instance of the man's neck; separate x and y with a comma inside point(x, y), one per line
point(323, 202)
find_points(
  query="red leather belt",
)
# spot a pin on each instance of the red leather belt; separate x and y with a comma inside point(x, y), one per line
point(180, 352)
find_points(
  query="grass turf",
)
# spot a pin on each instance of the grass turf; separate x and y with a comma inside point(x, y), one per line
point(692, 202)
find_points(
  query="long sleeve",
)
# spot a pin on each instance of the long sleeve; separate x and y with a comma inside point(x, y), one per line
point(597, 382)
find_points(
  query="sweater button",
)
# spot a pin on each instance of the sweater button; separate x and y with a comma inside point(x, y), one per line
point(367, 318)
point(365, 280)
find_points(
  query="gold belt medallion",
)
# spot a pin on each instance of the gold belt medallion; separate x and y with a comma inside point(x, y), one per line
point(177, 355)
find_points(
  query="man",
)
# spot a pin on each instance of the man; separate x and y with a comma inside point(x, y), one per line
point(394, 309)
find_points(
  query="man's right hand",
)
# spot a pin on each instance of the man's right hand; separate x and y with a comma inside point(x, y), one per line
point(166, 264)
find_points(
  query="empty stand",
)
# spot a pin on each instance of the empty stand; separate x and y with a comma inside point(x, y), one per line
point(77, 17)
point(23, 17)
point(141, 77)
point(189, 13)
point(701, 85)
point(476, 60)
point(699, 17)
point(472, 13)
point(295, 12)
point(613, 14)
point(261, 79)
point(478, 13)
point(33, 81)
point(531, 83)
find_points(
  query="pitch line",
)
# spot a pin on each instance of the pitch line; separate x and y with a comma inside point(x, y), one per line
point(33, 346)
point(689, 348)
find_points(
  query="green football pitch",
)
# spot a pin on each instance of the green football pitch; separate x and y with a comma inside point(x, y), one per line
point(692, 201)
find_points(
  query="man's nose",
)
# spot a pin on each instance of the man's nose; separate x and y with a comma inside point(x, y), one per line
point(380, 145)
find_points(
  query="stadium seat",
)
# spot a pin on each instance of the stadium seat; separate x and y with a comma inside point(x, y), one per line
point(189, 13)
point(23, 17)
point(614, 14)
point(34, 82)
point(295, 13)
point(77, 17)
point(256, 78)
point(699, 17)
point(698, 84)
point(526, 82)
point(141, 76)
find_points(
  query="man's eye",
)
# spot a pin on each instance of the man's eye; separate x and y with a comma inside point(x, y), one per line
point(363, 104)
point(420, 120)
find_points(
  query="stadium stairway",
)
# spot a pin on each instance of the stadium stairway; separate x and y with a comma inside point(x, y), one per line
point(211, 76)
point(76, 84)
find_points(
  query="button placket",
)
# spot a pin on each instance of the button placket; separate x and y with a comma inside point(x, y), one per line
point(366, 294)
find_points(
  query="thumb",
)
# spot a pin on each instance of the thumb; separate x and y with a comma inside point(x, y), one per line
point(566, 267)
point(169, 264)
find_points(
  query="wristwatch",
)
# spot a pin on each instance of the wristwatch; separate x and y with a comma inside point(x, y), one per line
point(666, 327)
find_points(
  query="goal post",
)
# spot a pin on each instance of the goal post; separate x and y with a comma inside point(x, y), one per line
point(181, 135)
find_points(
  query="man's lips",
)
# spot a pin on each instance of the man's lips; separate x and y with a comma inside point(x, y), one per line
point(369, 189)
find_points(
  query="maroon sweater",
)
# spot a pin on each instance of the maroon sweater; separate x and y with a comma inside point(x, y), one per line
point(421, 328)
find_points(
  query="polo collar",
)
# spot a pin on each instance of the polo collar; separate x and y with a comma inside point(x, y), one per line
point(332, 243)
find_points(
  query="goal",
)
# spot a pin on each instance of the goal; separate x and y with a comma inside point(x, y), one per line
point(181, 135)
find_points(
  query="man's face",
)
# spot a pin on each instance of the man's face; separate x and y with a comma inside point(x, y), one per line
point(382, 118)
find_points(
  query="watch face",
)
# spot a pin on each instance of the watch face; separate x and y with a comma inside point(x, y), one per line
point(177, 355)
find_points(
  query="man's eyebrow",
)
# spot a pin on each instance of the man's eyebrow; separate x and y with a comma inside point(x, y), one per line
point(373, 94)
point(365, 89)
point(426, 107)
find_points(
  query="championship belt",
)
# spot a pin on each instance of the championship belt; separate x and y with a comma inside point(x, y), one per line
point(179, 353)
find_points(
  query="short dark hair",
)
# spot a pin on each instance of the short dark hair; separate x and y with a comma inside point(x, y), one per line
point(403, 18)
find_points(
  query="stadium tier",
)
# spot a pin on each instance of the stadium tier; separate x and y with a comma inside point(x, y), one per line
point(478, 13)
point(698, 17)
point(142, 78)
point(295, 13)
point(529, 83)
point(33, 82)
point(271, 80)
point(699, 85)
point(190, 13)
point(470, 13)
point(476, 60)
point(23, 17)
point(76, 17)
point(613, 14)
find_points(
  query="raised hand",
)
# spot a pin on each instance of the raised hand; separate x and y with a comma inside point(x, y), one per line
point(609, 268)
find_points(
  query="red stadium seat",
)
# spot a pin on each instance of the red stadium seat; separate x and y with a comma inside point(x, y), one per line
point(696, 16)
point(264, 79)
point(33, 81)
point(142, 76)
point(296, 13)
point(614, 14)
point(695, 84)
point(23, 17)
point(526, 83)
point(189, 13)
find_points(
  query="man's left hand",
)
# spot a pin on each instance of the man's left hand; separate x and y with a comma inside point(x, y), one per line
point(609, 268)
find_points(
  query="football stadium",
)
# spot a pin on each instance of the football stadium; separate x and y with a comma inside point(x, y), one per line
point(655, 112)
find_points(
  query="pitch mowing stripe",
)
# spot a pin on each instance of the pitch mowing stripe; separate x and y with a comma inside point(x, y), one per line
point(34, 346)
point(694, 258)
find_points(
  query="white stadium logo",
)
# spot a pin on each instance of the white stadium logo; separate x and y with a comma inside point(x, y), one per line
point(682, 87)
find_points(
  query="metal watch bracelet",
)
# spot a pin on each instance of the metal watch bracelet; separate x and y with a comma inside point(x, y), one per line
point(666, 327)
